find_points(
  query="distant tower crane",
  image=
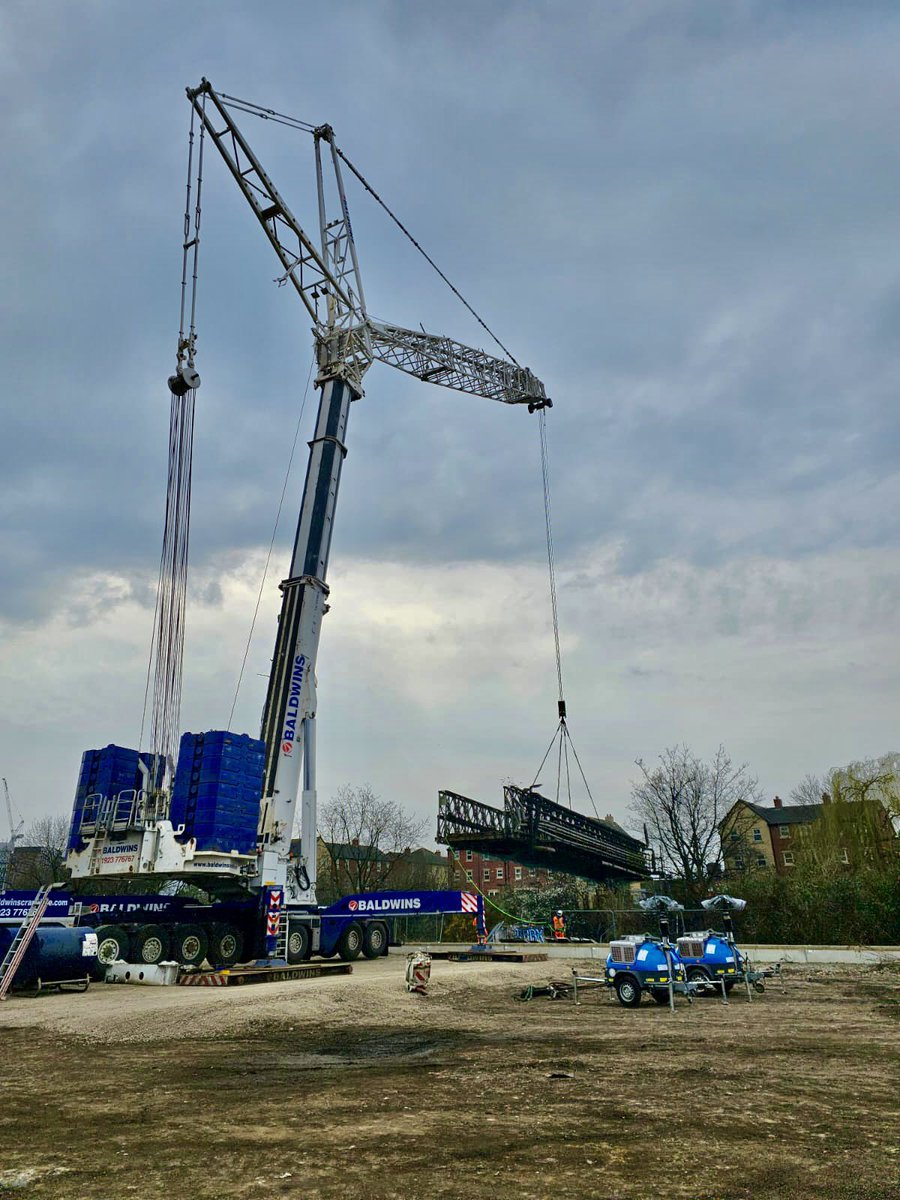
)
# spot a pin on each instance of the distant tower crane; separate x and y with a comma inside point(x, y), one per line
point(15, 835)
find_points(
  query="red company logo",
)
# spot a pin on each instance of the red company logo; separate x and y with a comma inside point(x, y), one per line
point(94, 908)
point(353, 905)
point(286, 747)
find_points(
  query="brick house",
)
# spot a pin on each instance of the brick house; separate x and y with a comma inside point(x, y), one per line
point(757, 837)
point(492, 875)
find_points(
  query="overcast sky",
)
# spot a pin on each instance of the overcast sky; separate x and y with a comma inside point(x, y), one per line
point(684, 217)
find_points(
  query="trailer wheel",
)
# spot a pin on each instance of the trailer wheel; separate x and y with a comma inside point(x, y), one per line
point(661, 996)
point(189, 945)
point(149, 944)
point(298, 943)
point(112, 944)
point(350, 942)
point(225, 946)
point(699, 975)
point(628, 991)
point(375, 938)
point(729, 984)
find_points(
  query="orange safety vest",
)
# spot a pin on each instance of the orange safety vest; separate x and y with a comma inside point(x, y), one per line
point(559, 927)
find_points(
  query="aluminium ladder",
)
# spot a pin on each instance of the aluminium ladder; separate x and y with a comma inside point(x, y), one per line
point(20, 943)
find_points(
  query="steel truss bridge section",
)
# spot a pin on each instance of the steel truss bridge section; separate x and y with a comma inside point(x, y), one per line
point(539, 833)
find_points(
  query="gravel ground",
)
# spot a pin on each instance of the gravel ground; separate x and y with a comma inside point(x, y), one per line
point(349, 1087)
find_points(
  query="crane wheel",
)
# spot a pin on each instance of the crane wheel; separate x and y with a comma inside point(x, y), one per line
point(375, 939)
point(298, 943)
point(628, 991)
point(225, 946)
point(112, 944)
point(350, 943)
point(149, 944)
point(189, 945)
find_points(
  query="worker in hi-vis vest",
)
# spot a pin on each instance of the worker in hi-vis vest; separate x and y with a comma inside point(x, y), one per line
point(559, 924)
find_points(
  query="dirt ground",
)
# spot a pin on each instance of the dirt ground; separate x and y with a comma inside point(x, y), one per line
point(351, 1088)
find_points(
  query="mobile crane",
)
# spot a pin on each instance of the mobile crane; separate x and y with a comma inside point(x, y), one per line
point(131, 834)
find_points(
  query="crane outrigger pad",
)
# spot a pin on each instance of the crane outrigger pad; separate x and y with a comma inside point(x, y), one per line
point(478, 954)
point(539, 833)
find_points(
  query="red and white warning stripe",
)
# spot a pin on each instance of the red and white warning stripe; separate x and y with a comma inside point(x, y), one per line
point(468, 902)
point(205, 979)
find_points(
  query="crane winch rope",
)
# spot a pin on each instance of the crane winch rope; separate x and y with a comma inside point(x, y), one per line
point(167, 641)
point(562, 734)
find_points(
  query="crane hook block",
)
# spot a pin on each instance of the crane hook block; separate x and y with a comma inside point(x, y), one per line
point(537, 405)
point(184, 380)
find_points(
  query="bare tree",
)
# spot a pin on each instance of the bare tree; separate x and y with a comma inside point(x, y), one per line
point(40, 858)
point(682, 802)
point(363, 836)
point(809, 790)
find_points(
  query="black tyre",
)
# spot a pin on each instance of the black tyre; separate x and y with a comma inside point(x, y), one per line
point(699, 975)
point(729, 984)
point(298, 942)
point(628, 991)
point(375, 939)
point(149, 944)
point(189, 945)
point(661, 996)
point(225, 946)
point(350, 943)
point(112, 944)
point(759, 986)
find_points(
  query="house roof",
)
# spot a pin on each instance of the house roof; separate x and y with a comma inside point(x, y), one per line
point(788, 814)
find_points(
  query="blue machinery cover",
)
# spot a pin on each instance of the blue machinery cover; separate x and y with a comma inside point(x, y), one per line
point(217, 789)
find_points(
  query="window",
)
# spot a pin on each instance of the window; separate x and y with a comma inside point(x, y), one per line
point(486, 874)
point(494, 892)
point(518, 872)
point(532, 872)
point(760, 860)
point(788, 858)
point(469, 856)
point(739, 864)
point(757, 834)
point(784, 831)
point(499, 872)
point(469, 876)
point(735, 836)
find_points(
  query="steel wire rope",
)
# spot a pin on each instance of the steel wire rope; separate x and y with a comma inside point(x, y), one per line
point(167, 638)
point(270, 114)
point(265, 573)
point(551, 557)
point(456, 292)
point(562, 729)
